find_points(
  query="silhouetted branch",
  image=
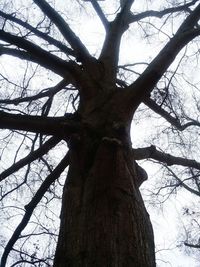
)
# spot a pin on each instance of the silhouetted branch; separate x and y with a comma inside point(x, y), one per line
point(58, 126)
point(100, 13)
point(16, 53)
point(29, 262)
point(162, 13)
point(125, 6)
point(38, 33)
point(29, 208)
point(142, 87)
point(153, 153)
point(79, 49)
point(192, 245)
point(183, 184)
point(36, 54)
point(173, 121)
point(110, 52)
point(30, 157)
point(48, 92)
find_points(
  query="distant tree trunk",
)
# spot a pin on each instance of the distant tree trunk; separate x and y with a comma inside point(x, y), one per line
point(103, 219)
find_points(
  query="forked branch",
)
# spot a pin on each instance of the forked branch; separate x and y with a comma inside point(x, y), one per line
point(38, 33)
point(182, 183)
point(36, 54)
point(172, 120)
point(80, 50)
point(142, 87)
point(161, 13)
point(110, 51)
point(48, 92)
point(42, 150)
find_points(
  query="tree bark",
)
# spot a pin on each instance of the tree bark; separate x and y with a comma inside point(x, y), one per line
point(103, 218)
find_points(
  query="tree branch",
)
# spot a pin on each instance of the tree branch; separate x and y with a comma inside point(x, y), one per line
point(192, 245)
point(110, 52)
point(153, 153)
point(168, 160)
point(59, 126)
point(80, 50)
point(163, 113)
point(125, 8)
point(184, 185)
point(44, 62)
point(162, 13)
point(48, 92)
point(30, 157)
point(31, 206)
point(37, 54)
point(38, 33)
point(142, 87)
point(100, 13)
point(17, 53)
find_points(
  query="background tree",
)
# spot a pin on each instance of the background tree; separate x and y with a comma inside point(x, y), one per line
point(67, 104)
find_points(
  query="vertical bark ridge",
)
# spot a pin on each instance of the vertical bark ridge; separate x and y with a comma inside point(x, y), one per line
point(103, 220)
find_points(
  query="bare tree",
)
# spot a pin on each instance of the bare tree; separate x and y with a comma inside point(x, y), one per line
point(89, 112)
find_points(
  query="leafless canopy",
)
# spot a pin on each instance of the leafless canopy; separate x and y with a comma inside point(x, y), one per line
point(46, 74)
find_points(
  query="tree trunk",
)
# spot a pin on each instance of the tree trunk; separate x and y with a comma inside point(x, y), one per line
point(103, 218)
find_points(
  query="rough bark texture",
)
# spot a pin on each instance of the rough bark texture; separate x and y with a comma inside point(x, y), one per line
point(103, 219)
